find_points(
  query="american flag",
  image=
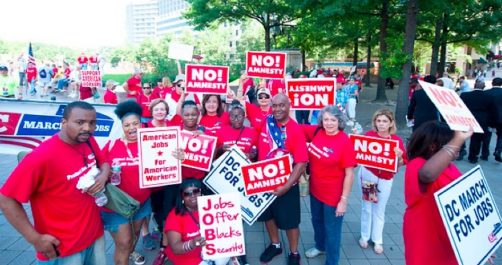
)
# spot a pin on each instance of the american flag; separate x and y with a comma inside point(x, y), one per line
point(31, 58)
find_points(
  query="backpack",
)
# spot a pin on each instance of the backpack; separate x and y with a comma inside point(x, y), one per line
point(43, 73)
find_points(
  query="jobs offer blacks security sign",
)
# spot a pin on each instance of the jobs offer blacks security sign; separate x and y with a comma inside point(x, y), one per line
point(267, 175)
point(157, 165)
point(375, 152)
point(225, 177)
point(471, 217)
point(311, 93)
point(270, 65)
point(206, 79)
point(221, 225)
point(452, 108)
point(198, 149)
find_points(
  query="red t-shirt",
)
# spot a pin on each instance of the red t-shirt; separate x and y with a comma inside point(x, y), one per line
point(129, 163)
point(256, 116)
point(31, 73)
point(329, 156)
point(54, 71)
point(49, 182)
point(384, 174)
point(425, 238)
point(186, 226)
point(93, 59)
point(67, 72)
point(85, 92)
point(214, 123)
point(161, 92)
point(244, 138)
point(110, 97)
point(295, 143)
point(145, 101)
point(82, 59)
point(133, 84)
point(274, 85)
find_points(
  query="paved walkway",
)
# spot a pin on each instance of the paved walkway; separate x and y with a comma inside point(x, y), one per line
point(15, 250)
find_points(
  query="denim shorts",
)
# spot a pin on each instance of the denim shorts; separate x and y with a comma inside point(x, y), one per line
point(93, 255)
point(112, 220)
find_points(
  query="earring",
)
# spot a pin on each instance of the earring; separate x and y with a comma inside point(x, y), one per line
point(182, 201)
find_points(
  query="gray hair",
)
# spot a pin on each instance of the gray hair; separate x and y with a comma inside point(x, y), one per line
point(333, 110)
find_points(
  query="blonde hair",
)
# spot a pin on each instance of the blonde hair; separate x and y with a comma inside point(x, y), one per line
point(387, 113)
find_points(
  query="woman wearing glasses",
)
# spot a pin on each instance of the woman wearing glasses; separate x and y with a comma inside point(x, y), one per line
point(145, 99)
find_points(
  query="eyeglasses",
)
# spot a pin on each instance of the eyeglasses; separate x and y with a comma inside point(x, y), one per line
point(264, 97)
point(237, 117)
point(191, 192)
point(283, 133)
point(146, 87)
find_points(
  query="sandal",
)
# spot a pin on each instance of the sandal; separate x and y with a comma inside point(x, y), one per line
point(378, 248)
point(363, 243)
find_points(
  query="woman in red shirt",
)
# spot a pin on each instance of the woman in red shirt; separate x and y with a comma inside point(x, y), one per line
point(213, 115)
point(123, 153)
point(257, 114)
point(332, 161)
point(377, 184)
point(431, 149)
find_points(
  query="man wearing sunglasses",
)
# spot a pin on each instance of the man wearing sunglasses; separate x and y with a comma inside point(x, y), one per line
point(281, 135)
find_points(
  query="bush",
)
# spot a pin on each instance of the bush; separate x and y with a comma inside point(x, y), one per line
point(122, 78)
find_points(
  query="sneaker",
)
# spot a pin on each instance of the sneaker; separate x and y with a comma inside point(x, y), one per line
point(378, 248)
point(294, 259)
point(269, 253)
point(363, 243)
point(149, 243)
point(160, 259)
point(313, 252)
point(137, 258)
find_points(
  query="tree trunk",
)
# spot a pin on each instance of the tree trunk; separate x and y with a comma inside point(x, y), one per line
point(444, 39)
point(267, 37)
point(409, 43)
point(435, 46)
point(368, 60)
point(356, 51)
point(384, 17)
point(304, 64)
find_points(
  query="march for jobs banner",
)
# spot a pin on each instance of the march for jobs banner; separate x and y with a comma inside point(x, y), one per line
point(157, 165)
point(226, 177)
point(221, 225)
point(471, 217)
point(375, 152)
point(90, 78)
point(267, 175)
point(453, 109)
point(311, 93)
point(207, 79)
point(180, 51)
point(199, 150)
point(271, 65)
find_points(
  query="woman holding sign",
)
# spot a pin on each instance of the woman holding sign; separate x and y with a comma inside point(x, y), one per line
point(332, 161)
point(431, 149)
point(122, 154)
point(376, 183)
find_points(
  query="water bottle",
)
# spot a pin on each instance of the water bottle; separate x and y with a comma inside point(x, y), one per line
point(100, 198)
point(115, 178)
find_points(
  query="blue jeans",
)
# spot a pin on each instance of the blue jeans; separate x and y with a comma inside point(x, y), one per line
point(327, 229)
point(93, 255)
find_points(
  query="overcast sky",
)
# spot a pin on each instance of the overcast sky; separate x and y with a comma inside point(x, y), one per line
point(78, 24)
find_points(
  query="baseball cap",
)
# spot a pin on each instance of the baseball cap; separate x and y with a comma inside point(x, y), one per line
point(111, 83)
point(264, 91)
point(180, 77)
point(3, 68)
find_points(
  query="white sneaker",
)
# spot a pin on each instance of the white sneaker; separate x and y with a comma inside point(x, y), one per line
point(137, 258)
point(313, 252)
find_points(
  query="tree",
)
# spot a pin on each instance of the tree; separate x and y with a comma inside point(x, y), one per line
point(269, 13)
point(408, 47)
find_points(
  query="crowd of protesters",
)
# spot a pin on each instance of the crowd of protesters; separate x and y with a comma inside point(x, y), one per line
point(260, 122)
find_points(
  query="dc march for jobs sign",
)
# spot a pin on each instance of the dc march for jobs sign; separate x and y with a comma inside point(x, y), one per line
point(226, 177)
point(471, 217)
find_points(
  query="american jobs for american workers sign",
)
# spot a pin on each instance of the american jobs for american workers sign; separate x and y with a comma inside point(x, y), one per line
point(471, 217)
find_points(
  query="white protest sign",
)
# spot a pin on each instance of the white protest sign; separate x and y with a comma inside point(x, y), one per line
point(221, 225)
point(179, 51)
point(226, 177)
point(452, 108)
point(90, 78)
point(471, 217)
point(157, 165)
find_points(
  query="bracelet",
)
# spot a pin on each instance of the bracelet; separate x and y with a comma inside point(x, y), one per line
point(450, 151)
point(453, 147)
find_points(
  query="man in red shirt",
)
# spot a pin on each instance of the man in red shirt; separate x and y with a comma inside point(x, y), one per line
point(282, 135)
point(93, 62)
point(67, 225)
point(110, 97)
point(31, 77)
point(82, 61)
point(133, 84)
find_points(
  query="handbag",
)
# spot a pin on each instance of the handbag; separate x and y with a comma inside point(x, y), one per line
point(120, 202)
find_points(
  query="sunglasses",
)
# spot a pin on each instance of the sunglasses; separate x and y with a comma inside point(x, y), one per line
point(146, 87)
point(191, 192)
point(263, 97)
point(179, 85)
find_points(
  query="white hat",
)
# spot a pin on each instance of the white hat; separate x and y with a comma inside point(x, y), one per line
point(180, 77)
point(264, 91)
